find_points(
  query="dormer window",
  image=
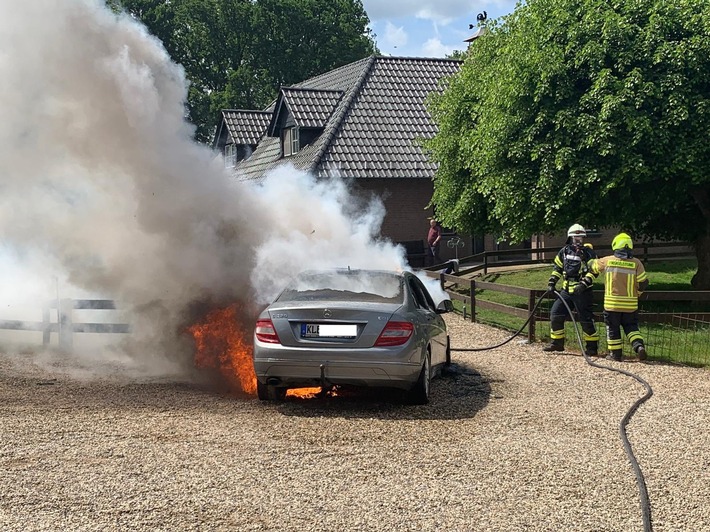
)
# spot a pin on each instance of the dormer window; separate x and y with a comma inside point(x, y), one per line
point(291, 143)
point(230, 156)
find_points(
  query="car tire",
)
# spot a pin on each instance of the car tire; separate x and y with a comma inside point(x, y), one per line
point(270, 393)
point(419, 394)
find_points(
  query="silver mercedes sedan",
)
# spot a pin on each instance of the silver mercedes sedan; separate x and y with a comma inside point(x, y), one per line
point(351, 327)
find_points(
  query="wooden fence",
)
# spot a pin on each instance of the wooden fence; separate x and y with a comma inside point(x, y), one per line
point(502, 259)
point(65, 327)
point(471, 303)
point(514, 257)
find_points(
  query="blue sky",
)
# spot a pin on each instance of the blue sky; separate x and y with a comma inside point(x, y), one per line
point(428, 28)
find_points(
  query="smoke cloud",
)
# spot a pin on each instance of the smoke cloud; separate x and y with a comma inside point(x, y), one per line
point(104, 194)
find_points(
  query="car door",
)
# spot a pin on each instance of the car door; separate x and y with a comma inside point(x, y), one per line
point(433, 322)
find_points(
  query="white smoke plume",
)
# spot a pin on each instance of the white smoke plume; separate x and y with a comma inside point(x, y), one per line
point(103, 193)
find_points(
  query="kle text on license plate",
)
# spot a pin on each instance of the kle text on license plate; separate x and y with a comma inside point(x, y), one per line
point(315, 330)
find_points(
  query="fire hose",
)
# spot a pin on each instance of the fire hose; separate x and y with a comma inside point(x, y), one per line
point(640, 481)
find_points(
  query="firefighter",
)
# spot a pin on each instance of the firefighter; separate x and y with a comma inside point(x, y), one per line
point(571, 266)
point(625, 280)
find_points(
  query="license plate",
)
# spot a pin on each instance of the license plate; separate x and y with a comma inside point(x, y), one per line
point(315, 330)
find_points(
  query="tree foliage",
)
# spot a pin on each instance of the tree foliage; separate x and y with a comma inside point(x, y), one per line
point(590, 111)
point(238, 53)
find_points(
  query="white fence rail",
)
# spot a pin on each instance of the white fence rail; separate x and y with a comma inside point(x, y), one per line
point(65, 327)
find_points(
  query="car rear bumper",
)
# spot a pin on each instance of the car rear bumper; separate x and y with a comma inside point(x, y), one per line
point(290, 373)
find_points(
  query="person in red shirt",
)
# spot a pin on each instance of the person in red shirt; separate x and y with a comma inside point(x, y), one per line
point(434, 242)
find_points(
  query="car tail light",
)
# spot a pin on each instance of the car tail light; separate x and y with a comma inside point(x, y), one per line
point(395, 333)
point(265, 332)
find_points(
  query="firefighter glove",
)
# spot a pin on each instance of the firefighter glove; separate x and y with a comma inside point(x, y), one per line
point(552, 281)
point(582, 285)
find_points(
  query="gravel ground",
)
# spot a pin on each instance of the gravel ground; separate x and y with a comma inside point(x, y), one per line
point(513, 439)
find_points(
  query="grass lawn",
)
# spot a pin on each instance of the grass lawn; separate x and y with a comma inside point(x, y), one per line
point(687, 342)
point(670, 275)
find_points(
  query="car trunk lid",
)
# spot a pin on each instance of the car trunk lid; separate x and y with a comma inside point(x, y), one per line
point(332, 326)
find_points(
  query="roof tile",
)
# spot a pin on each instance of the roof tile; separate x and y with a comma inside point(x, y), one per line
point(246, 127)
point(371, 111)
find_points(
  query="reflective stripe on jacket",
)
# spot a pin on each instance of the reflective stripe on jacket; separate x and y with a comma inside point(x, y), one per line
point(622, 277)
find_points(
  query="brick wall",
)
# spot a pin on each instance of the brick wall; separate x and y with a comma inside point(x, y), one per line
point(407, 217)
point(405, 201)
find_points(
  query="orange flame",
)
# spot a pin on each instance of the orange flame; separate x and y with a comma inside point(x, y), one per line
point(303, 393)
point(220, 344)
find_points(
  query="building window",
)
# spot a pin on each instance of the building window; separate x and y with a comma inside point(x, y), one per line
point(291, 141)
point(230, 156)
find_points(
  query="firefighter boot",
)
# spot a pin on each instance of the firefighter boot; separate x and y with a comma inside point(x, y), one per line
point(558, 344)
point(592, 348)
point(615, 355)
point(640, 350)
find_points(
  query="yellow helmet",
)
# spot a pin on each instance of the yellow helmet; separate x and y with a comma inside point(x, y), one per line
point(576, 230)
point(621, 241)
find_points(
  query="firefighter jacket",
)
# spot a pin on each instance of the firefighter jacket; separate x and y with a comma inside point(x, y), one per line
point(625, 280)
point(572, 266)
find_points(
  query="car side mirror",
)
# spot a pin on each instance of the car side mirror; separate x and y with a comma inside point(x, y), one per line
point(445, 306)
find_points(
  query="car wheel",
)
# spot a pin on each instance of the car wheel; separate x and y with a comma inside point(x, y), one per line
point(419, 394)
point(448, 352)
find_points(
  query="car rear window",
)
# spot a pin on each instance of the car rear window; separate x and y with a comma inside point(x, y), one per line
point(351, 286)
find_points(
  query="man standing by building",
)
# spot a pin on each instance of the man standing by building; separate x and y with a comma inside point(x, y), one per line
point(434, 242)
point(571, 266)
point(625, 280)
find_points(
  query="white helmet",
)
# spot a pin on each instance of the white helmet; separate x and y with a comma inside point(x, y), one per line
point(576, 230)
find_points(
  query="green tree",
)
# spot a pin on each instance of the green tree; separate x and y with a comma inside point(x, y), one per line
point(581, 110)
point(238, 53)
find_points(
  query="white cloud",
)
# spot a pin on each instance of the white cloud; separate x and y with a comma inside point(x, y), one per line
point(395, 35)
point(435, 15)
point(433, 29)
point(435, 48)
point(440, 11)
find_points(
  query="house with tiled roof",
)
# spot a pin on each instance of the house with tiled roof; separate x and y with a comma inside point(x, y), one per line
point(239, 132)
point(362, 122)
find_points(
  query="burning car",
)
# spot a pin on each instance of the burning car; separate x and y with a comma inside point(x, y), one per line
point(351, 327)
